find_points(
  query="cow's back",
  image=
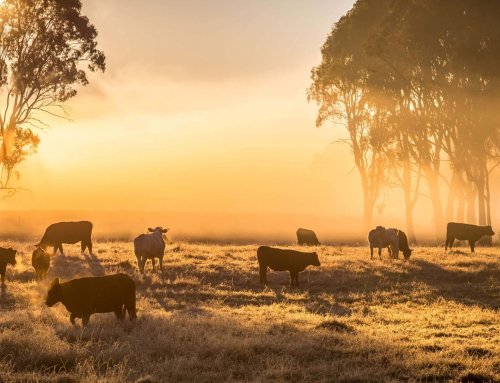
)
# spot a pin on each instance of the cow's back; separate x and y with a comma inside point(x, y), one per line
point(149, 245)
point(280, 259)
point(100, 294)
point(68, 232)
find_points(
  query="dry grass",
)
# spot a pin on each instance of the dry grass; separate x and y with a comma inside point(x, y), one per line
point(205, 318)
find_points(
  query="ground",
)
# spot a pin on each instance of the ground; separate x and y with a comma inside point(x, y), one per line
point(205, 318)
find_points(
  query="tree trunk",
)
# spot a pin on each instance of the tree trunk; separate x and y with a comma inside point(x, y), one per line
point(471, 205)
point(408, 202)
point(368, 205)
point(453, 193)
point(433, 183)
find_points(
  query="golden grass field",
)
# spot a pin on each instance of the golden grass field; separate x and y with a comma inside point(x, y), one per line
point(205, 318)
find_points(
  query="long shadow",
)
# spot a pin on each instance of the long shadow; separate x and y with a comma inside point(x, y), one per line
point(477, 288)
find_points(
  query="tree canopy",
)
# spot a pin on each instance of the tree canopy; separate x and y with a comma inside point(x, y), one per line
point(47, 48)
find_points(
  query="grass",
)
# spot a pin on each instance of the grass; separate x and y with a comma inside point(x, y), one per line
point(205, 318)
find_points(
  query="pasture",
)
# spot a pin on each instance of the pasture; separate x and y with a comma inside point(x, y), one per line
point(205, 318)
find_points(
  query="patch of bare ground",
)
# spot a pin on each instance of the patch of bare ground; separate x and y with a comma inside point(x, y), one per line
point(205, 318)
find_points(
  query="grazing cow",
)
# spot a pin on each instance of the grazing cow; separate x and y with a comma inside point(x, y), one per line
point(67, 232)
point(393, 239)
point(284, 260)
point(150, 246)
point(463, 232)
point(7, 256)
point(86, 296)
point(307, 237)
point(40, 260)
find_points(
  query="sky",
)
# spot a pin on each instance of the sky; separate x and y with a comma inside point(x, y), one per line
point(202, 112)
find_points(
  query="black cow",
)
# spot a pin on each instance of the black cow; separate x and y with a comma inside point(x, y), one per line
point(403, 244)
point(284, 260)
point(7, 256)
point(40, 260)
point(307, 237)
point(67, 232)
point(466, 232)
point(85, 296)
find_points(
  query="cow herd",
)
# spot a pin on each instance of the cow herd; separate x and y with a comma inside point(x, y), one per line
point(116, 293)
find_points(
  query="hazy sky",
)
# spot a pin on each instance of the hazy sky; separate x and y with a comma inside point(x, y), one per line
point(202, 108)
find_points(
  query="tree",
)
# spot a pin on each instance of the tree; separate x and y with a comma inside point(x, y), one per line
point(340, 89)
point(46, 46)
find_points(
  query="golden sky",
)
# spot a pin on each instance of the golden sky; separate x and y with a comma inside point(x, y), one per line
point(202, 108)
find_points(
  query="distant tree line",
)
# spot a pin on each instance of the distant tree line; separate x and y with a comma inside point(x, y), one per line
point(416, 84)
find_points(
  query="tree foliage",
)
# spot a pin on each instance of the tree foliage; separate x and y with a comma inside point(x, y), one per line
point(47, 48)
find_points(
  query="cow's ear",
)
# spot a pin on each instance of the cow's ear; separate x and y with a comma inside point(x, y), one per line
point(54, 283)
point(150, 230)
point(165, 230)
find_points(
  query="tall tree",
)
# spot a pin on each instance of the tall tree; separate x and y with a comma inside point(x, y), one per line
point(340, 89)
point(46, 46)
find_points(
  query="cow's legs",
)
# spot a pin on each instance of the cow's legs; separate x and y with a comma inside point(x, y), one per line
point(89, 246)
point(161, 263)
point(371, 252)
point(263, 274)
point(119, 312)
point(296, 277)
point(380, 253)
point(72, 319)
point(85, 320)
point(3, 280)
point(472, 244)
point(82, 246)
point(449, 243)
point(60, 247)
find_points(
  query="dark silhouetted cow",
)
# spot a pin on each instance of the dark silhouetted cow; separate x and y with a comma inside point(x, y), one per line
point(86, 296)
point(466, 232)
point(394, 239)
point(284, 260)
point(150, 246)
point(67, 232)
point(307, 237)
point(7, 256)
point(40, 260)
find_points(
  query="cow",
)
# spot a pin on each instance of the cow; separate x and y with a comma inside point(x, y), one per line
point(7, 256)
point(67, 232)
point(465, 232)
point(40, 260)
point(394, 239)
point(284, 260)
point(307, 237)
point(83, 297)
point(150, 246)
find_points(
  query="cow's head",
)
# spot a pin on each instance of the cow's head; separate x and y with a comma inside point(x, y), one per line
point(315, 260)
point(407, 253)
point(54, 294)
point(10, 254)
point(158, 229)
point(38, 252)
point(489, 230)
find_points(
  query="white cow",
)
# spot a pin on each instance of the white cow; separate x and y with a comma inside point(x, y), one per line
point(150, 246)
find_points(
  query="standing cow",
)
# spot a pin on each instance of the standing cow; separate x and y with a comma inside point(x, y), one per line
point(67, 232)
point(83, 297)
point(463, 231)
point(40, 260)
point(284, 260)
point(150, 246)
point(307, 237)
point(7, 256)
point(394, 239)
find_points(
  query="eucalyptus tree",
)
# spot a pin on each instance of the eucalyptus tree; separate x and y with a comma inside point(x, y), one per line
point(339, 86)
point(47, 48)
